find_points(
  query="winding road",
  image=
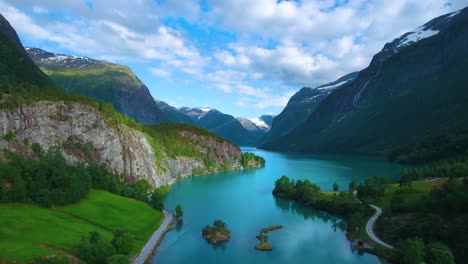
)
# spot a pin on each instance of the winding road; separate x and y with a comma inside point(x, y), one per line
point(370, 226)
point(149, 246)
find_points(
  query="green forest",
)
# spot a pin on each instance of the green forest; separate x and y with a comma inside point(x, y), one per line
point(425, 222)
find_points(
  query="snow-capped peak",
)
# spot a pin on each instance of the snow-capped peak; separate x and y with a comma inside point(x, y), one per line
point(204, 109)
point(417, 35)
point(259, 123)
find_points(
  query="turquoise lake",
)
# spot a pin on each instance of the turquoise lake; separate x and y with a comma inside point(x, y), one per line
point(243, 200)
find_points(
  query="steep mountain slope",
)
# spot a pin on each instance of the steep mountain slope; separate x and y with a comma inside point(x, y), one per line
point(112, 83)
point(227, 127)
point(173, 114)
point(241, 131)
point(415, 87)
point(300, 106)
point(15, 64)
point(87, 131)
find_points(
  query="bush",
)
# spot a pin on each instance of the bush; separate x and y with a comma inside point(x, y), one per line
point(438, 253)
point(411, 250)
point(123, 242)
point(94, 250)
point(179, 212)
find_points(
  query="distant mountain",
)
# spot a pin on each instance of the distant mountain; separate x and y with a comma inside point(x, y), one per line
point(268, 120)
point(173, 114)
point(300, 106)
point(101, 80)
point(15, 65)
point(241, 131)
point(415, 87)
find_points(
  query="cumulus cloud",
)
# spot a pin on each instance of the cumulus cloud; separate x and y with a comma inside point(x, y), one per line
point(160, 72)
point(272, 47)
point(317, 41)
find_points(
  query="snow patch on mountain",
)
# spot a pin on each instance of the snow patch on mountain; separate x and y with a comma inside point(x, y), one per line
point(453, 14)
point(333, 86)
point(204, 109)
point(417, 35)
point(260, 123)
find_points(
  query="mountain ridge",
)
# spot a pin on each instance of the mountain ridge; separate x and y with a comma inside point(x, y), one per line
point(239, 130)
point(101, 80)
point(402, 85)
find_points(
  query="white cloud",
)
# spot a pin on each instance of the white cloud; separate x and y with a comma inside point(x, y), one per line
point(160, 72)
point(248, 90)
point(274, 43)
point(240, 103)
point(40, 10)
point(317, 41)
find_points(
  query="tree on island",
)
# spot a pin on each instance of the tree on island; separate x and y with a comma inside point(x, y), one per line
point(336, 187)
point(179, 212)
point(216, 233)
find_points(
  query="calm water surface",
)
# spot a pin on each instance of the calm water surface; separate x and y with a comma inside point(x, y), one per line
point(244, 201)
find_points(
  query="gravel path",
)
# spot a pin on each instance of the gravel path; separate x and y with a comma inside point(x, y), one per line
point(370, 226)
point(148, 248)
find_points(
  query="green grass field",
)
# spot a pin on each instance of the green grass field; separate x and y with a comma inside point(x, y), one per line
point(419, 188)
point(27, 231)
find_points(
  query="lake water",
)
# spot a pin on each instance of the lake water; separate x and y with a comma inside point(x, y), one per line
point(243, 200)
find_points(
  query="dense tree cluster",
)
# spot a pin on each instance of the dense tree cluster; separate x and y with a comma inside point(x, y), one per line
point(456, 167)
point(95, 249)
point(372, 188)
point(440, 216)
point(251, 160)
point(157, 197)
point(50, 181)
point(432, 149)
point(413, 250)
point(344, 204)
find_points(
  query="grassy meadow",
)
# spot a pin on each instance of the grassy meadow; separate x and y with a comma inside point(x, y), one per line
point(28, 231)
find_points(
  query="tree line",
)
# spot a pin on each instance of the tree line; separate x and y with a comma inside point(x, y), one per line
point(48, 180)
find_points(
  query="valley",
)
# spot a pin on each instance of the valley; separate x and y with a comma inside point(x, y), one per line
point(126, 131)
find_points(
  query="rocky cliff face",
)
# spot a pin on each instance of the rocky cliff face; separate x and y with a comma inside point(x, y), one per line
point(82, 134)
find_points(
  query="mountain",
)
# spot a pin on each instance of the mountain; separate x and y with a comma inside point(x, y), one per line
point(37, 117)
point(241, 131)
point(105, 81)
point(268, 120)
point(300, 106)
point(195, 113)
point(415, 87)
point(15, 64)
point(173, 114)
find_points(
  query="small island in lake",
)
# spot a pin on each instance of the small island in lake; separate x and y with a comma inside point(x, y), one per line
point(216, 233)
point(263, 238)
point(264, 246)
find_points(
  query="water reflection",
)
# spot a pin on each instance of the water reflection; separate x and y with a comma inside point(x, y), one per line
point(309, 213)
point(179, 225)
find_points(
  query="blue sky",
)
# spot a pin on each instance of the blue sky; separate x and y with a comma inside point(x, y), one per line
point(243, 57)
